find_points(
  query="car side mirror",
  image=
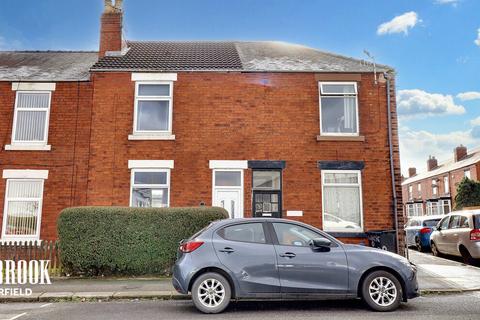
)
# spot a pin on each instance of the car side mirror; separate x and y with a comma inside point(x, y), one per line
point(320, 244)
point(438, 228)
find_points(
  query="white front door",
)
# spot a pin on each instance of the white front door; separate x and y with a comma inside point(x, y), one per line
point(230, 200)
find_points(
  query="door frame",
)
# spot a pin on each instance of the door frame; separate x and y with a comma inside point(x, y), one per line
point(234, 188)
point(279, 191)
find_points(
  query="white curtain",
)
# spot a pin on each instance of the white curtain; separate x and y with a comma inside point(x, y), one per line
point(349, 114)
point(343, 202)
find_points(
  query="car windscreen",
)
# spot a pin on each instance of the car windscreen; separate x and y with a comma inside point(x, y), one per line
point(430, 223)
point(476, 221)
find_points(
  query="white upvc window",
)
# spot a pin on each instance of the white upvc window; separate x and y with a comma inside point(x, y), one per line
point(434, 187)
point(433, 208)
point(410, 192)
point(23, 204)
point(419, 209)
point(467, 174)
point(342, 200)
point(339, 109)
point(150, 188)
point(31, 118)
point(419, 189)
point(410, 210)
point(446, 185)
point(445, 206)
point(153, 108)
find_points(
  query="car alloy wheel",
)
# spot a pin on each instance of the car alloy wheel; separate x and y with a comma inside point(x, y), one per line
point(435, 250)
point(383, 291)
point(211, 293)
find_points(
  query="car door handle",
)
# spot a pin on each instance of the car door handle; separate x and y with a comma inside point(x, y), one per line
point(288, 255)
point(227, 250)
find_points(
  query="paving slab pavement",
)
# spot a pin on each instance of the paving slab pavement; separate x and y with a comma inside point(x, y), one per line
point(440, 274)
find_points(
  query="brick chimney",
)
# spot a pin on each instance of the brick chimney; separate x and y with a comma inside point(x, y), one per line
point(459, 153)
point(432, 163)
point(111, 27)
point(412, 172)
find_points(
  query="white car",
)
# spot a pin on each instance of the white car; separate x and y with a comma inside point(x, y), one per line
point(335, 223)
point(458, 234)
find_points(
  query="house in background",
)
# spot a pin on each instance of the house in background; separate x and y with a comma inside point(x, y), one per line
point(433, 192)
point(263, 129)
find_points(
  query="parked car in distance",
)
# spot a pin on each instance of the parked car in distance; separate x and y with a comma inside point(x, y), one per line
point(266, 258)
point(337, 223)
point(418, 230)
point(458, 234)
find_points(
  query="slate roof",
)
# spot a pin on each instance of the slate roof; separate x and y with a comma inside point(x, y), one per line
point(472, 157)
point(46, 65)
point(247, 56)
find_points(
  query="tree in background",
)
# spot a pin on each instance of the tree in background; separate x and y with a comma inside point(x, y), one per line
point(468, 194)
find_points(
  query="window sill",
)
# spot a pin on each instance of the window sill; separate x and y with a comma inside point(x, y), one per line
point(341, 138)
point(28, 147)
point(151, 137)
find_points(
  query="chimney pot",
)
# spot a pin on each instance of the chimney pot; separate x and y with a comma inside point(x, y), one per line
point(459, 153)
point(412, 172)
point(432, 163)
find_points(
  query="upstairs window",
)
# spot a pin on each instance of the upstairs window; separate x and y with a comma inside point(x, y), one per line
point(446, 185)
point(153, 108)
point(30, 120)
point(410, 192)
point(434, 187)
point(338, 109)
point(467, 174)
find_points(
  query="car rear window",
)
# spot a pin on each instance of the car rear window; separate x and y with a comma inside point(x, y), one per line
point(476, 221)
point(430, 223)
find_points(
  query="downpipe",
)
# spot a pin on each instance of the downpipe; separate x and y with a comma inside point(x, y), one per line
point(390, 145)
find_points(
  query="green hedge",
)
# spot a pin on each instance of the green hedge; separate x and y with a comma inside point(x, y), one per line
point(127, 241)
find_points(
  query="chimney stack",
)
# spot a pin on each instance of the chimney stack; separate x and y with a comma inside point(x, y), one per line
point(111, 27)
point(412, 172)
point(460, 153)
point(432, 163)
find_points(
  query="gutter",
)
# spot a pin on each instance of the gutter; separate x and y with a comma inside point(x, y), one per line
point(390, 141)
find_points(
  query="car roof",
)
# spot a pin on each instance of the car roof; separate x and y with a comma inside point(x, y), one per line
point(468, 213)
point(235, 220)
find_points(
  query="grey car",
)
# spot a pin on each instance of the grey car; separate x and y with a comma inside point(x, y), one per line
point(265, 258)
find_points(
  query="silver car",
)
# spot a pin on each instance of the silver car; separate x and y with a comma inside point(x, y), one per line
point(265, 258)
point(458, 234)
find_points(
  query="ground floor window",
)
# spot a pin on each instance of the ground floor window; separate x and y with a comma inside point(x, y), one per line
point(150, 188)
point(23, 209)
point(414, 209)
point(432, 208)
point(443, 206)
point(446, 206)
point(342, 200)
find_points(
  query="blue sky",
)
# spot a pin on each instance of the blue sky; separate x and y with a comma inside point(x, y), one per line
point(433, 44)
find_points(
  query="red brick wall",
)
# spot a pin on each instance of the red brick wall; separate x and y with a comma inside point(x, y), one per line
point(67, 162)
point(242, 116)
point(216, 116)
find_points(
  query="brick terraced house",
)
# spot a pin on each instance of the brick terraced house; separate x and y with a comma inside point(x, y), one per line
point(264, 129)
point(433, 192)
